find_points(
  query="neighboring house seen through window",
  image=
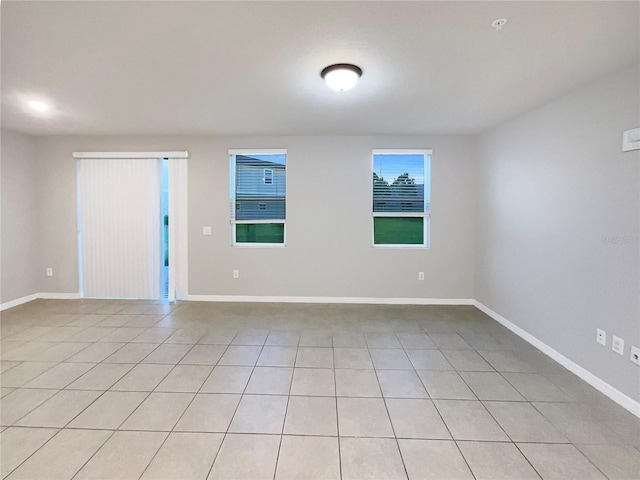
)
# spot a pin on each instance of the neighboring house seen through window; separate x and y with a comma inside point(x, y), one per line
point(401, 198)
point(258, 197)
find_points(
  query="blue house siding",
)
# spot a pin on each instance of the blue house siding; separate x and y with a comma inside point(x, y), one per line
point(255, 199)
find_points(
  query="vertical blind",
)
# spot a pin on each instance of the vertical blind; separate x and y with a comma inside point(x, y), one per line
point(120, 227)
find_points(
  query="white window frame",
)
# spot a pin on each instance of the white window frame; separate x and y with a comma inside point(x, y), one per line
point(264, 176)
point(232, 195)
point(427, 153)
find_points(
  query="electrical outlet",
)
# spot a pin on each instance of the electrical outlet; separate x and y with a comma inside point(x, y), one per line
point(49, 272)
point(635, 355)
point(206, 230)
point(420, 275)
point(617, 345)
point(236, 274)
point(601, 336)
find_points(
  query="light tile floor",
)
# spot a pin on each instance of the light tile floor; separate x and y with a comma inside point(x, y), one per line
point(129, 390)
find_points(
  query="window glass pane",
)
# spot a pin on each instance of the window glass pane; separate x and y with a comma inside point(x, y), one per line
point(260, 189)
point(398, 230)
point(260, 233)
point(399, 183)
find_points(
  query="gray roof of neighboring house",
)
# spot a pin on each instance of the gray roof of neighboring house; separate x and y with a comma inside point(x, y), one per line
point(256, 162)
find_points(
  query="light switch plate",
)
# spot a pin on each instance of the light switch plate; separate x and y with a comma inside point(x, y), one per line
point(206, 230)
point(617, 345)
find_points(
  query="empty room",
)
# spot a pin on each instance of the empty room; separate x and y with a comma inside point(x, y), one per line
point(320, 240)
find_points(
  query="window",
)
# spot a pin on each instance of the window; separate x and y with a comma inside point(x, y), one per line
point(401, 198)
point(258, 191)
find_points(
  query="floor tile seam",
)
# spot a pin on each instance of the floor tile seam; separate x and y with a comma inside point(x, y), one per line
point(335, 387)
point(565, 434)
point(60, 429)
point(451, 435)
point(520, 391)
point(567, 392)
point(10, 368)
point(100, 396)
point(32, 453)
point(50, 398)
point(135, 364)
point(284, 419)
point(235, 411)
point(386, 407)
point(528, 461)
point(576, 446)
point(88, 344)
point(148, 393)
point(511, 438)
point(93, 454)
point(244, 390)
point(463, 381)
point(158, 450)
point(198, 392)
point(66, 385)
point(583, 456)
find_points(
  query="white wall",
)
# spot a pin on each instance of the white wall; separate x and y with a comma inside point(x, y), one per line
point(20, 272)
point(328, 250)
point(552, 183)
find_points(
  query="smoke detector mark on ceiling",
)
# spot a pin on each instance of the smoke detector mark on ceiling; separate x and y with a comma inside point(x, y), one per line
point(498, 24)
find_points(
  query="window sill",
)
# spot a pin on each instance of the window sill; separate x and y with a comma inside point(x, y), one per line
point(401, 247)
point(258, 245)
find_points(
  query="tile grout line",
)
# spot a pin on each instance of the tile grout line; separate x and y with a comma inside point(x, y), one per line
point(96, 399)
point(447, 426)
point(386, 407)
point(284, 419)
point(183, 412)
point(335, 386)
point(237, 406)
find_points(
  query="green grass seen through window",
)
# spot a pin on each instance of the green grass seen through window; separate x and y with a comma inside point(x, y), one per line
point(398, 230)
point(260, 233)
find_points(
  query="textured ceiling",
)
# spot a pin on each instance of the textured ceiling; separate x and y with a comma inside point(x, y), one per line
point(253, 67)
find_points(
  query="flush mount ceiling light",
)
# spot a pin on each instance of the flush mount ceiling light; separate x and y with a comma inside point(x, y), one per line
point(39, 106)
point(341, 76)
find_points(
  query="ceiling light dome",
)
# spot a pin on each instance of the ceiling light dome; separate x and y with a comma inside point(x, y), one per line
point(38, 105)
point(341, 76)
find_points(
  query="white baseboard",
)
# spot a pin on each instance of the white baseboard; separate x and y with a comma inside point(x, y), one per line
point(35, 296)
point(354, 300)
point(60, 296)
point(596, 382)
point(18, 301)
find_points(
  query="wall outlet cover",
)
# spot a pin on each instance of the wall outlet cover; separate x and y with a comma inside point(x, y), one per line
point(631, 140)
point(617, 345)
point(635, 355)
point(601, 336)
